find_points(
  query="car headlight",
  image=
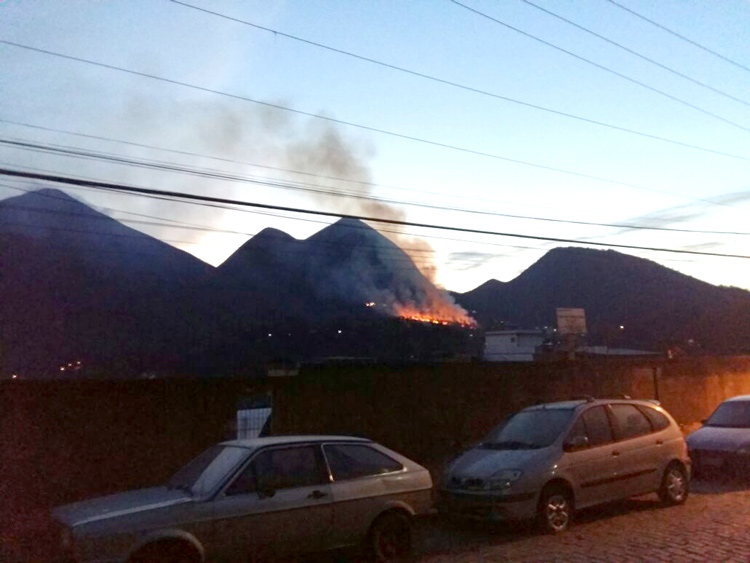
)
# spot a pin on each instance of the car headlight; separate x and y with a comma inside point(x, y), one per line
point(503, 479)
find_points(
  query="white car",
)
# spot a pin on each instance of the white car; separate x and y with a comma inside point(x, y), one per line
point(722, 444)
point(257, 499)
point(547, 460)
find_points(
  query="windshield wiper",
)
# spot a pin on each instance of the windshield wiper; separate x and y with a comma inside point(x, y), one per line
point(509, 445)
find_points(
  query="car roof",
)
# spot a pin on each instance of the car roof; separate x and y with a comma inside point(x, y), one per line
point(568, 405)
point(738, 398)
point(253, 443)
point(559, 405)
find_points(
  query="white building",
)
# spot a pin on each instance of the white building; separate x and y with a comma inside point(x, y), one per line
point(512, 345)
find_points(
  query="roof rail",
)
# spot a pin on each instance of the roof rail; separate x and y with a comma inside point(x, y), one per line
point(587, 398)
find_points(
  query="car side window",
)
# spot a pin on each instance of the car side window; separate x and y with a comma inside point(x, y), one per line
point(658, 421)
point(349, 461)
point(578, 430)
point(245, 482)
point(281, 468)
point(597, 426)
point(629, 421)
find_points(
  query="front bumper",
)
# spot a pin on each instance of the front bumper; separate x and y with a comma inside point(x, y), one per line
point(720, 463)
point(496, 507)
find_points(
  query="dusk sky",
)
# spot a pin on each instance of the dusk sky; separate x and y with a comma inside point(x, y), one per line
point(642, 181)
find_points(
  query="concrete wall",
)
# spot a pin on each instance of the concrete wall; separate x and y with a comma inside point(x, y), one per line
point(62, 441)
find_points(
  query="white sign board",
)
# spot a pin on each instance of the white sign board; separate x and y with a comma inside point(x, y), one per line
point(571, 320)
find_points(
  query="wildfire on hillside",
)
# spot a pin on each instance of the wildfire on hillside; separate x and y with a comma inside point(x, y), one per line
point(452, 315)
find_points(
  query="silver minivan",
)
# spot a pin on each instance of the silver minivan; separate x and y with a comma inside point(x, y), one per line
point(547, 460)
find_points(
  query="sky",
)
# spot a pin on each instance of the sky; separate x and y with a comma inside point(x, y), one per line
point(410, 147)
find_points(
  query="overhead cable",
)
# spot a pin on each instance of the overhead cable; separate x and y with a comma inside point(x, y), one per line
point(694, 43)
point(602, 67)
point(202, 198)
point(635, 53)
point(219, 175)
point(278, 33)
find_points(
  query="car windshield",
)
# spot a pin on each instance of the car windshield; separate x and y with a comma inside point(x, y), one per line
point(206, 471)
point(529, 429)
point(732, 414)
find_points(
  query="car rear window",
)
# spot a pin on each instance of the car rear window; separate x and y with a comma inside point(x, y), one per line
point(352, 461)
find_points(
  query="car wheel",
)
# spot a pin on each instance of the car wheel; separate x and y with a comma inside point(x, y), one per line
point(674, 485)
point(166, 552)
point(555, 510)
point(390, 537)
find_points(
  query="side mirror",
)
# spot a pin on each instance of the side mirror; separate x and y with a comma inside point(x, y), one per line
point(576, 443)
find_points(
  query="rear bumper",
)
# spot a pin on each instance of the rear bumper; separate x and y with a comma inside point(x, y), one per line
point(490, 507)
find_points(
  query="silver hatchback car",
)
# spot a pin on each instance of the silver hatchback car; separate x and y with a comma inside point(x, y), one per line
point(258, 499)
point(547, 460)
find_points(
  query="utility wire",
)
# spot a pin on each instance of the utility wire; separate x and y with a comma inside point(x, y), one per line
point(209, 199)
point(695, 44)
point(349, 123)
point(635, 53)
point(214, 174)
point(602, 67)
point(192, 226)
point(446, 82)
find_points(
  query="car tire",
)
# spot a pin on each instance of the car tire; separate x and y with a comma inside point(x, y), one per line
point(555, 510)
point(674, 485)
point(166, 552)
point(390, 538)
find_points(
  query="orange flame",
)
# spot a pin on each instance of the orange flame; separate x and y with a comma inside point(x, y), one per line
point(441, 315)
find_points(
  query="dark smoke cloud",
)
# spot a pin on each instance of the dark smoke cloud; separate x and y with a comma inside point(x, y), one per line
point(269, 137)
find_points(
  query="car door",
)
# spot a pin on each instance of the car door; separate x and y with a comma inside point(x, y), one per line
point(592, 467)
point(636, 449)
point(363, 481)
point(278, 505)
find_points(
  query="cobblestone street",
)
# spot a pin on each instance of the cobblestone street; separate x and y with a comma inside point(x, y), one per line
point(714, 525)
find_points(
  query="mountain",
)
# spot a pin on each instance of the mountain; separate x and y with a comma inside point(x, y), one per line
point(79, 286)
point(655, 304)
point(334, 273)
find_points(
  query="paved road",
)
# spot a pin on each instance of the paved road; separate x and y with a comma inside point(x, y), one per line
point(714, 525)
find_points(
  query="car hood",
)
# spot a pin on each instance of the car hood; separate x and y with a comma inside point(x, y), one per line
point(481, 463)
point(119, 504)
point(717, 438)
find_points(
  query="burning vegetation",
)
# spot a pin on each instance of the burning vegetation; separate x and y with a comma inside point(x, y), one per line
point(449, 314)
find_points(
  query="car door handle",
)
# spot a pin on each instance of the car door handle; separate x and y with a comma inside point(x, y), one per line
point(615, 454)
point(659, 442)
point(316, 495)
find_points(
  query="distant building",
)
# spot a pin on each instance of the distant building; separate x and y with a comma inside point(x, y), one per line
point(512, 345)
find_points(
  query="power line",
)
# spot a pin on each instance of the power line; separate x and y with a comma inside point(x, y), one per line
point(210, 199)
point(192, 226)
point(446, 82)
point(171, 167)
point(351, 124)
point(695, 44)
point(602, 67)
point(635, 53)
